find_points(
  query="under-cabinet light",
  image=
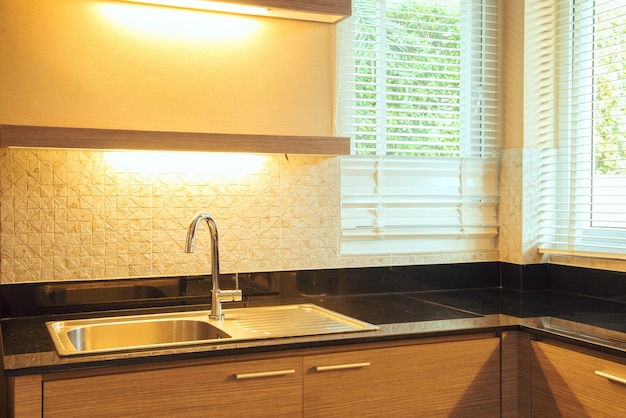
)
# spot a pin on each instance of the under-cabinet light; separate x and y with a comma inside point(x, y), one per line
point(212, 6)
point(219, 165)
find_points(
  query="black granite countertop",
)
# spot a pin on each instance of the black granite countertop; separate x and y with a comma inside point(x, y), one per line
point(403, 302)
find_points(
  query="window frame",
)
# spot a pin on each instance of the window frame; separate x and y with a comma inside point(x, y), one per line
point(476, 189)
point(572, 232)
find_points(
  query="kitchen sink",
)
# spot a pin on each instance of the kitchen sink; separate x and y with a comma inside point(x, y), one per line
point(112, 335)
point(120, 333)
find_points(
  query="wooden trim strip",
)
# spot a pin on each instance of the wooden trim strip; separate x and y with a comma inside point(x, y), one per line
point(120, 139)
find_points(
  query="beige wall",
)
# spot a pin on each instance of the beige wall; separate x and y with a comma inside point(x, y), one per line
point(73, 215)
point(92, 63)
point(510, 179)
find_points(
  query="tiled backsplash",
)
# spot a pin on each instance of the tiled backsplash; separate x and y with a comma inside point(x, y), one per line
point(74, 215)
point(84, 215)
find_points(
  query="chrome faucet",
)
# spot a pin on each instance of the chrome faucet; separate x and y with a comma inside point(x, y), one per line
point(217, 295)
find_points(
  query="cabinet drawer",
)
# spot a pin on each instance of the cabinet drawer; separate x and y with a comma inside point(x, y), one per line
point(234, 389)
point(458, 378)
point(568, 382)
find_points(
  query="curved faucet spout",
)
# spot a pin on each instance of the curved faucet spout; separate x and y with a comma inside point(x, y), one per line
point(217, 295)
point(193, 229)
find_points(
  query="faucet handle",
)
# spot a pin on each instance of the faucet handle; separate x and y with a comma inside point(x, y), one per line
point(237, 295)
point(229, 295)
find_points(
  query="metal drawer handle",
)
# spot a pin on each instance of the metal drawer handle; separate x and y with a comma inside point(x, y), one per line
point(342, 367)
point(271, 373)
point(611, 377)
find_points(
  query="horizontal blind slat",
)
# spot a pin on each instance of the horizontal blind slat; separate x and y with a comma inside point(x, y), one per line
point(419, 109)
point(582, 206)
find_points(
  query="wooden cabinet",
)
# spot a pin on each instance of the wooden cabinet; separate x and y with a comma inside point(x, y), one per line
point(24, 396)
point(571, 382)
point(258, 388)
point(457, 379)
point(454, 377)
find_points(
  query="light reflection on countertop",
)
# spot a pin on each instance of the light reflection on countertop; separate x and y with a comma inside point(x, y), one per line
point(25, 363)
point(592, 334)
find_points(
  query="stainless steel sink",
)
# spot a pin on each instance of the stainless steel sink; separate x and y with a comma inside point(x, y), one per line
point(111, 334)
point(138, 333)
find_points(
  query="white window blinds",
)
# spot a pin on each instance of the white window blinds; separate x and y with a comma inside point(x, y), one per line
point(418, 95)
point(583, 148)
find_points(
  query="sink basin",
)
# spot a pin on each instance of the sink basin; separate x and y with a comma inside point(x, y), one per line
point(98, 335)
point(111, 334)
point(107, 336)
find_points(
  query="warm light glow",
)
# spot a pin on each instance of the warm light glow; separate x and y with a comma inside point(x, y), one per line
point(176, 24)
point(213, 6)
point(162, 162)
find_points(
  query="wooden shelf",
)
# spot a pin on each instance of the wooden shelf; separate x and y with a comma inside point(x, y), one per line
point(324, 11)
point(119, 139)
point(328, 11)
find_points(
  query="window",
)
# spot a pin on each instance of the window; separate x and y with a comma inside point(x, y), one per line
point(583, 188)
point(418, 95)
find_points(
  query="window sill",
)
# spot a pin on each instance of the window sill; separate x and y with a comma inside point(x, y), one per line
point(578, 253)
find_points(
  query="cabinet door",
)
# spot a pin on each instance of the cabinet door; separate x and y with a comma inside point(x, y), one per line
point(24, 397)
point(237, 389)
point(567, 382)
point(451, 379)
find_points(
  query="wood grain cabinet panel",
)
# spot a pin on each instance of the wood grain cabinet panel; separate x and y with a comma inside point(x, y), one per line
point(260, 388)
point(24, 397)
point(451, 379)
point(572, 382)
point(439, 377)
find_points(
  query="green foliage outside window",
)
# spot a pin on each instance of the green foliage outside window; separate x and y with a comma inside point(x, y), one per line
point(420, 99)
point(610, 94)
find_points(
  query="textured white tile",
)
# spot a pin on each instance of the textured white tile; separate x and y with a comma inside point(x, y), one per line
point(73, 215)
